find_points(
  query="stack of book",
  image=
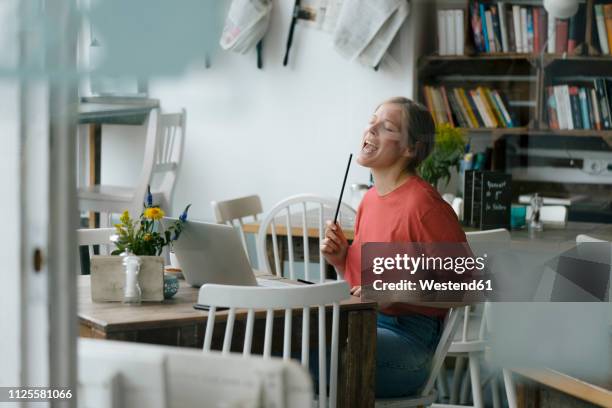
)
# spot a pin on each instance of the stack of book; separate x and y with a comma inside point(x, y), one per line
point(468, 108)
point(603, 21)
point(500, 27)
point(580, 107)
point(451, 32)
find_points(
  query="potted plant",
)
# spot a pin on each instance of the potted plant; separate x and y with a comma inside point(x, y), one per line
point(447, 152)
point(144, 238)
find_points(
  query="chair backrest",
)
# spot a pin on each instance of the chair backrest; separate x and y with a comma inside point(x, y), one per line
point(446, 338)
point(236, 211)
point(475, 316)
point(135, 206)
point(169, 154)
point(303, 215)
point(122, 374)
point(90, 238)
point(582, 238)
point(281, 298)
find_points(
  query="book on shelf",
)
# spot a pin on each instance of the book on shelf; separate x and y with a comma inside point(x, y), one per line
point(577, 28)
point(530, 30)
point(561, 35)
point(451, 28)
point(552, 25)
point(602, 27)
point(602, 35)
point(480, 107)
point(476, 24)
point(504, 27)
point(518, 32)
point(584, 106)
point(497, 35)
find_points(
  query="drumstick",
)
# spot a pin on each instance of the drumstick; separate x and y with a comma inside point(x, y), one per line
point(348, 166)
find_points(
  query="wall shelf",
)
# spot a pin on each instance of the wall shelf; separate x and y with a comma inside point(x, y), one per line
point(522, 77)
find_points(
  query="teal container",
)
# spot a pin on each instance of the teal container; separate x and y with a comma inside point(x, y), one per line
point(517, 216)
point(171, 285)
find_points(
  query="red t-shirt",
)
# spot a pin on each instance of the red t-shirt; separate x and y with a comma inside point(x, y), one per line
point(413, 212)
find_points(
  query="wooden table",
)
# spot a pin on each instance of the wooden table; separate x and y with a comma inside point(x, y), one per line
point(554, 235)
point(175, 322)
point(94, 111)
point(554, 239)
point(312, 224)
point(567, 388)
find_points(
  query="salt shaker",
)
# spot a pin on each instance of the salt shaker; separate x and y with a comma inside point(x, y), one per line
point(131, 289)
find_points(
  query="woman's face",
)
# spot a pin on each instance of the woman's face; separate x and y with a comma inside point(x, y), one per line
point(382, 142)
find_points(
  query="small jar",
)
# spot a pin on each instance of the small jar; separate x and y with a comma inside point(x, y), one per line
point(131, 289)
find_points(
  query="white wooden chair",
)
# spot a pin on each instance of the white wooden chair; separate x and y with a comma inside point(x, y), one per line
point(287, 298)
point(428, 394)
point(299, 215)
point(168, 157)
point(162, 156)
point(121, 374)
point(235, 212)
point(115, 199)
point(583, 238)
point(87, 239)
point(470, 343)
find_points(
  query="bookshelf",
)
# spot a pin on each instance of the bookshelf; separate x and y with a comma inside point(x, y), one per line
point(523, 78)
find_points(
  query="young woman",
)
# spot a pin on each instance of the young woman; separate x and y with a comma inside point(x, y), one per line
point(401, 207)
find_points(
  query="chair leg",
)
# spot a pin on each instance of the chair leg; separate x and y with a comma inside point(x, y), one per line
point(510, 389)
point(495, 392)
point(442, 384)
point(475, 377)
point(454, 392)
point(465, 389)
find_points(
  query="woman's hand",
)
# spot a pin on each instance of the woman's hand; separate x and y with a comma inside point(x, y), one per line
point(356, 291)
point(334, 246)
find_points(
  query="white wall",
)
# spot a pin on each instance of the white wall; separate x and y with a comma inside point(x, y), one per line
point(277, 131)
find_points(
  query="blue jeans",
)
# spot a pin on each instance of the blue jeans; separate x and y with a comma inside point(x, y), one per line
point(404, 348)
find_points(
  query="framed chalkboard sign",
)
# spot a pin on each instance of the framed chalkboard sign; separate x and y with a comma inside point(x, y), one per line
point(488, 199)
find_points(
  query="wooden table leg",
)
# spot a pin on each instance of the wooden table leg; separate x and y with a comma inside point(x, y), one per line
point(357, 373)
point(527, 394)
point(95, 148)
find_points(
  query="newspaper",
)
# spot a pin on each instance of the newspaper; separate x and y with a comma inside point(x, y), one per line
point(374, 52)
point(246, 23)
point(366, 28)
point(323, 14)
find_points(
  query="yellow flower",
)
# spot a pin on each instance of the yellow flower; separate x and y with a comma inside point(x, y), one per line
point(125, 217)
point(154, 213)
point(147, 237)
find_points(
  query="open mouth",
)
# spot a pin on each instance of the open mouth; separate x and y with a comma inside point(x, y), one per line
point(369, 147)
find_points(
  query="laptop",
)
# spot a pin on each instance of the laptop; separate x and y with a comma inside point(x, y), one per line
point(213, 253)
